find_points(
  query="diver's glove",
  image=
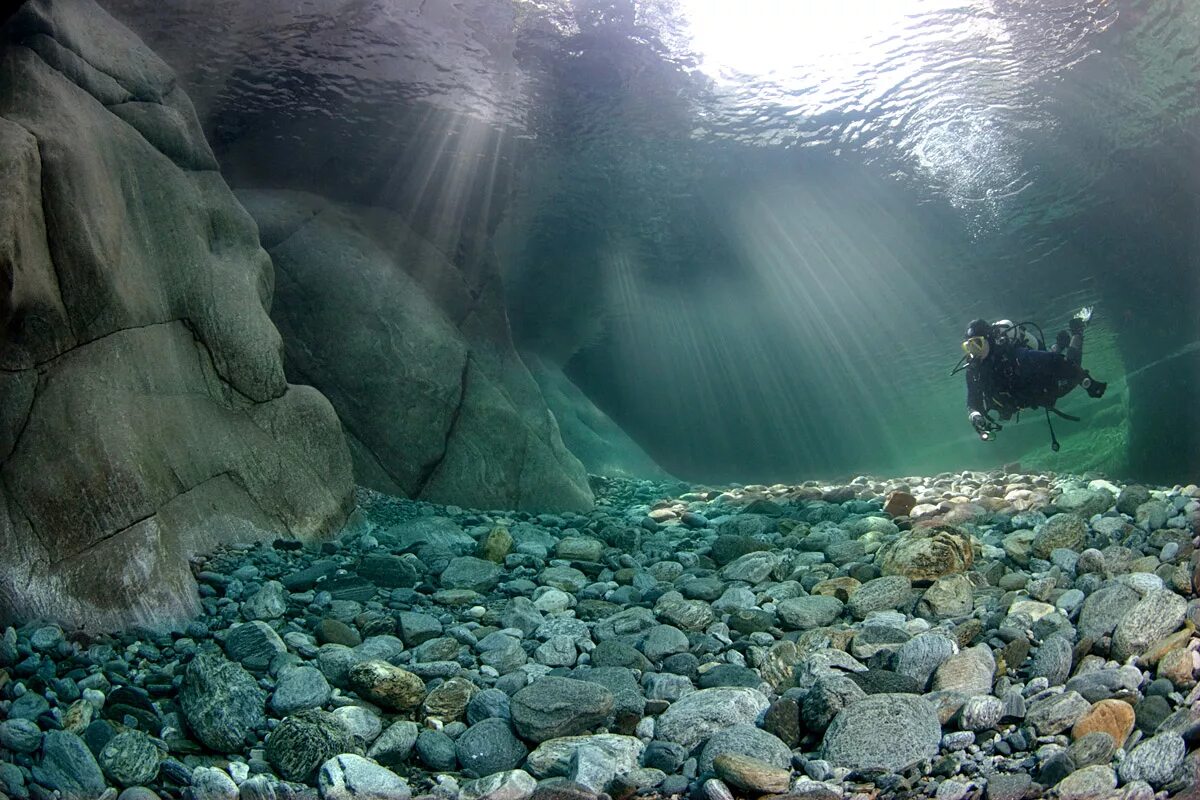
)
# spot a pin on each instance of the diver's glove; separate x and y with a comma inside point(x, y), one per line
point(1080, 319)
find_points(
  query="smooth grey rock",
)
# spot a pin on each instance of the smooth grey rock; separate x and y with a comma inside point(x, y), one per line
point(883, 731)
point(662, 641)
point(457, 417)
point(592, 768)
point(1089, 783)
point(1104, 608)
point(395, 744)
point(468, 572)
point(20, 735)
point(513, 785)
point(552, 707)
point(210, 783)
point(269, 602)
point(362, 722)
point(746, 740)
point(487, 704)
point(920, 656)
point(298, 689)
point(881, 594)
point(695, 717)
point(553, 758)
point(69, 766)
point(352, 777)
point(805, 613)
point(142, 354)
point(753, 568)
point(970, 671)
point(1087, 503)
point(489, 747)
point(435, 750)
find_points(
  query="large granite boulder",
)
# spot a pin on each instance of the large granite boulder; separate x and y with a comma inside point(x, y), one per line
point(417, 360)
point(587, 431)
point(144, 414)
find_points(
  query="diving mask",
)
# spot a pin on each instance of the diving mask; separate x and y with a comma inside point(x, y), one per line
point(976, 347)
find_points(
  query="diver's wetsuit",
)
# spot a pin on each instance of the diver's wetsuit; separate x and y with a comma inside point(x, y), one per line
point(1016, 376)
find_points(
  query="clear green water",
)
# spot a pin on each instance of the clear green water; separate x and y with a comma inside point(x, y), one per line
point(754, 237)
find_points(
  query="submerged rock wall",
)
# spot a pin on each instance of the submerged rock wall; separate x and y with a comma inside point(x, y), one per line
point(588, 432)
point(144, 414)
point(417, 359)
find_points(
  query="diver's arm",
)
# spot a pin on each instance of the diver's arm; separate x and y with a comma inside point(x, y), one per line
point(974, 392)
point(975, 399)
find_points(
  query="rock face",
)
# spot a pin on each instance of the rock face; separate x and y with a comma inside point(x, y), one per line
point(418, 362)
point(144, 414)
point(587, 431)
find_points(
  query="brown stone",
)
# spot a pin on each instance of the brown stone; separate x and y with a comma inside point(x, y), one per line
point(389, 686)
point(1178, 667)
point(449, 701)
point(898, 504)
point(751, 774)
point(496, 545)
point(1166, 645)
point(1113, 717)
point(841, 588)
point(927, 554)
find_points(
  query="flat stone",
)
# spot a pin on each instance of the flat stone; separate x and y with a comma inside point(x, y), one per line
point(352, 777)
point(752, 775)
point(1090, 783)
point(513, 785)
point(69, 766)
point(1155, 615)
point(697, 716)
point(1056, 713)
point(395, 744)
point(883, 731)
point(805, 613)
point(553, 707)
point(553, 757)
point(970, 671)
point(746, 740)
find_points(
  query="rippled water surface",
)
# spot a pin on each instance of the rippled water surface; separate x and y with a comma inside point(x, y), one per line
point(754, 230)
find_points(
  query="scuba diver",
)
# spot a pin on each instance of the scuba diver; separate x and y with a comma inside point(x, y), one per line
point(1008, 370)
